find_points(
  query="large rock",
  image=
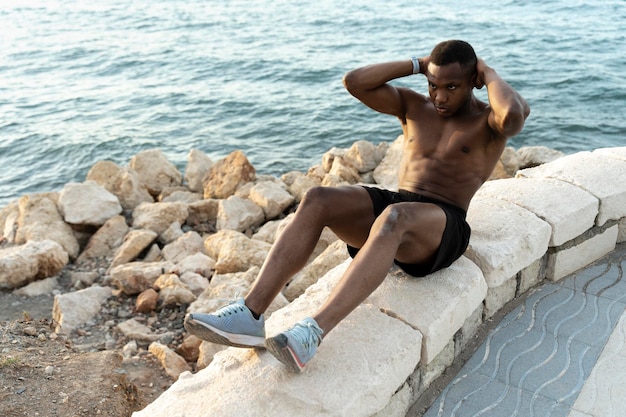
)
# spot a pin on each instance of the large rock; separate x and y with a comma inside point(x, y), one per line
point(532, 156)
point(40, 220)
point(106, 240)
point(386, 173)
point(239, 214)
point(234, 251)
point(198, 164)
point(298, 183)
point(122, 182)
point(172, 363)
point(334, 254)
point(135, 277)
point(87, 203)
point(20, 265)
point(605, 181)
point(159, 216)
point(186, 245)
point(228, 174)
point(364, 156)
point(135, 242)
point(198, 263)
point(172, 291)
point(72, 309)
point(9, 216)
point(155, 171)
point(271, 197)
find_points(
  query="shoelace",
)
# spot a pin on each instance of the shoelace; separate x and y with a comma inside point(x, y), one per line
point(230, 308)
point(307, 334)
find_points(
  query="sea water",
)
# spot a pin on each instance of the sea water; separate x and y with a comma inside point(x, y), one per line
point(85, 81)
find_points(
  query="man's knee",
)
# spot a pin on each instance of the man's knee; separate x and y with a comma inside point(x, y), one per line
point(391, 220)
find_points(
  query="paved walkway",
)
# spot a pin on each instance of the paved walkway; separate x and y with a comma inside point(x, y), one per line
point(561, 353)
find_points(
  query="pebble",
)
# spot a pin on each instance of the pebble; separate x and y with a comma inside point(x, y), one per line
point(30, 330)
point(49, 370)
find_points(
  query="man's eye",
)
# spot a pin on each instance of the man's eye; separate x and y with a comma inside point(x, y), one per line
point(433, 86)
point(452, 87)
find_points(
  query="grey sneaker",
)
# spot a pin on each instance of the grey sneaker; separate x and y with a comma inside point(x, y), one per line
point(296, 346)
point(231, 325)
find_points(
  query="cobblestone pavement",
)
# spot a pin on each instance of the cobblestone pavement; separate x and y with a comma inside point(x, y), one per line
point(561, 353)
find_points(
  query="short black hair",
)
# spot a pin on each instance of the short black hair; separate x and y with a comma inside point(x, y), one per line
point(449, 52)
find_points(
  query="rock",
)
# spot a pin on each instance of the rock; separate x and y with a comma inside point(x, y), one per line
point(135, 242)
point(173, 291)
point(87, 203)
point(40, 220)
point(239, 214)
point(234, 252)
point(271, 197)
point(189, 348)
point(9, 216)
point(334, 255)
point(172, 363)
point(159, 216)
point(147, 301)
point(329, 157)
point(206, 353)
point(196, 283)
point(34, 289)
point(20, 265)
point(82, 279)
point(135, 277)
point(364, 156)
point(187, 197)
point(532, 156)
point(267, 232)
point(153, 254)
point(344, 170)
point(122, 182)
point(198, 263)
point(298, 184)
point(203, 212)
point(386, 173)
point(186, 245)
point(70, 310)
point(104, 242)
point(198, 164)
point(141, 333)
point(228, 174)
point(155, 171)
point(173, 232)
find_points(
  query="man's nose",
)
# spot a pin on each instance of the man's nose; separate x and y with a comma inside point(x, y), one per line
point(441, 96)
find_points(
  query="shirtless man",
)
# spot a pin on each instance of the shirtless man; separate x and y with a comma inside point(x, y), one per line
point(452, 141)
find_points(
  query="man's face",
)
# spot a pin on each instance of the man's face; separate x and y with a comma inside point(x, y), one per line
point(449, 87)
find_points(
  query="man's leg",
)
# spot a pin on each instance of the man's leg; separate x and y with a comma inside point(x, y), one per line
point(409, 232)
point(346, 210)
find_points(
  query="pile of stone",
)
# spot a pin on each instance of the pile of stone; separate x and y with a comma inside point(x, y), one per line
point(150, 234)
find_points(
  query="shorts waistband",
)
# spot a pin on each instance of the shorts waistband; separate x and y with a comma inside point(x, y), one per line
point(426, 199)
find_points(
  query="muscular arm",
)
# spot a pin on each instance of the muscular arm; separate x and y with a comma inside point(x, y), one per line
point(369, 85)
point(509, 110)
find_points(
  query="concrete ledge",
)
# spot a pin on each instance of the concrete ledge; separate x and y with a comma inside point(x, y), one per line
point(547, 223)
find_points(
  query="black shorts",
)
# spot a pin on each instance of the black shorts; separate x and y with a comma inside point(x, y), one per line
point(455, 236)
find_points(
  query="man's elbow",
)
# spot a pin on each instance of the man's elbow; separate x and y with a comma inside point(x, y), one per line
point(350, 82)
point(512, 122)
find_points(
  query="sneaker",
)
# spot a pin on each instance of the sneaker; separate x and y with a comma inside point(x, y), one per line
point(296, 346)
point(231, 325)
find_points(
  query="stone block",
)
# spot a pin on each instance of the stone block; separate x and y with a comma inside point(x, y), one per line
point(606, 181)
point(621, 235)
point(568, 209)
point(468, 330)
point(365, 376)
point(568, 259)
point(532, 275)
point(435, 368)
point(506, 238)
point(436, 305)
point(498, 296)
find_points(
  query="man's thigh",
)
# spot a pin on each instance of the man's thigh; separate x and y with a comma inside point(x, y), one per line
point(422, 226)
point(348, 212)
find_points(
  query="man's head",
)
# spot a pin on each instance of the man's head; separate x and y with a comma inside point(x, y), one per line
point(449, 52)
point(451, 75)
